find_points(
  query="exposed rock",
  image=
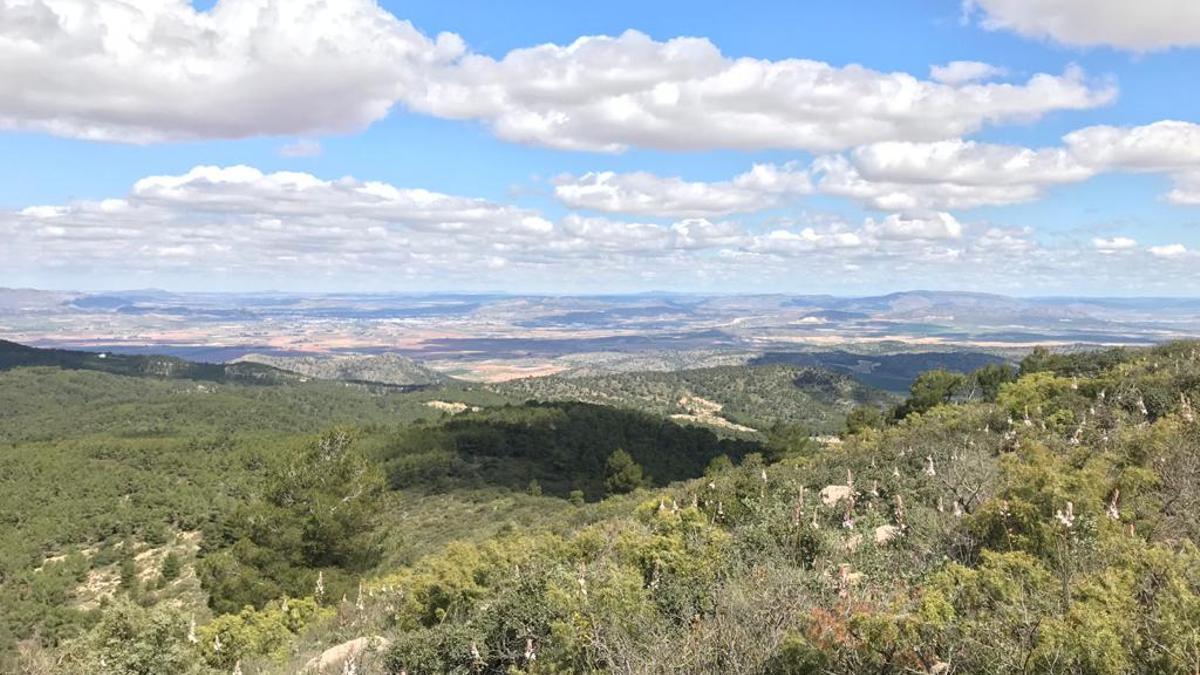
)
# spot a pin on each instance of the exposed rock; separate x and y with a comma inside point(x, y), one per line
point(331, 659)
point(886, 533)
point(832, 494)
point(452, 407)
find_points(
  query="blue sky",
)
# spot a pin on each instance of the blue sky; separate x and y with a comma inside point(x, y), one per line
point(1096, 224)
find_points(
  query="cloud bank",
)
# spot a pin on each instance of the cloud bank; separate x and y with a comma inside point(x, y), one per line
point(237, 222)
point(1146, 25)
point(913, 177)
point(144, 71)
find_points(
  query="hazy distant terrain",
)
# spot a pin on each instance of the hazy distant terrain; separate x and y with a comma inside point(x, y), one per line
point(501, 337)
point(890, 371)
point(382, 368)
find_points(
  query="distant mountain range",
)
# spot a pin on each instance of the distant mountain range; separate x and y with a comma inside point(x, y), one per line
point(418, 339)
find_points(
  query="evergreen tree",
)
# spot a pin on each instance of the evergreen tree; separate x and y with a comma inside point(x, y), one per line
point(864, 417)
point(128, 569)
point(623, 474)
point(316, 513)
point(170, 566)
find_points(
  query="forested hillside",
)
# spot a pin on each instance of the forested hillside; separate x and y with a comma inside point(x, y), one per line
point(107, 476)
point(13, 355)
point(1044, 520)
point(886, 370)
point(382, 368)
point(732, 398)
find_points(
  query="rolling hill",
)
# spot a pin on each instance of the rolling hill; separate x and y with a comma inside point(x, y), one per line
point(392, 369)
point(736, 399)
point(14, 355)
point(892, 372)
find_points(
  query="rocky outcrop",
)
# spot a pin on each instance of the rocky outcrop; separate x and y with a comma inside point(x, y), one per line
point(333, 659)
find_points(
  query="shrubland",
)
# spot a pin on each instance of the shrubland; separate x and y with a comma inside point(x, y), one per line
point(999, 522)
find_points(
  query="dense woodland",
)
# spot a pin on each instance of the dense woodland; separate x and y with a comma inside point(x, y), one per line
point(1001, 521)
point(759, 397)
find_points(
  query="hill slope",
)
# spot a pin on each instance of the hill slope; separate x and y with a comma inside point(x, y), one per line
point(754, 398)
point(1049, 527)
point(383, 368)
point(13, 355)
point(94, 465)
point(892, 372)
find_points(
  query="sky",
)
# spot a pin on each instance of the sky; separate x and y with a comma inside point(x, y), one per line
point(1025, 147)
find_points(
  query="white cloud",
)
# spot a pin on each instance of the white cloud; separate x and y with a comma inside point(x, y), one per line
point(1146, 25)
point(911, 177)
point(1113, 244)
point(154, 70)
point(1168, 251)
point(239, 218)
point(935, 226)
point(807, 240)
point(701, 233)
point(642, 193)
point(610, 93)
point(301, 148)
point(243, 190)
point(966, 163)
point(962, 72)
point(959, 174)
point(243, 220)
point(1007, 241)
point(953, 174)
point(1187, 189)
point(240, 227)
point(889, 176)
point(1167, 145)
point(43, 211)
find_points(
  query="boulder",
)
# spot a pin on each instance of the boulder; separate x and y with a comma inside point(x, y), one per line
point(832, 494)
point(331, 660)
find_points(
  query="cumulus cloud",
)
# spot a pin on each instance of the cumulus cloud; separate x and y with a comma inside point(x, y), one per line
point(157, 70)
point(609, 93)
point(641, 193)
point(954, 174)
point(241, 219)
point(1168, 251)
point(1136, 26)
point(246, 191)
point(213, 225)
point(961, 72)
point(960, 174)
point(301, 148)
point(892, 176)
point(1113, 244)
point(807, 240)
point(1187, 189)
point(153, 70)
point(911, 177)
point(936, 226)
point(1168, 146)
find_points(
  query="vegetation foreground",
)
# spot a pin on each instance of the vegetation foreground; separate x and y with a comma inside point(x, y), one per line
point(997, 522)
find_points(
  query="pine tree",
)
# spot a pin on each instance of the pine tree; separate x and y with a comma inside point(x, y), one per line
point(623, 474)
point(170, 566)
